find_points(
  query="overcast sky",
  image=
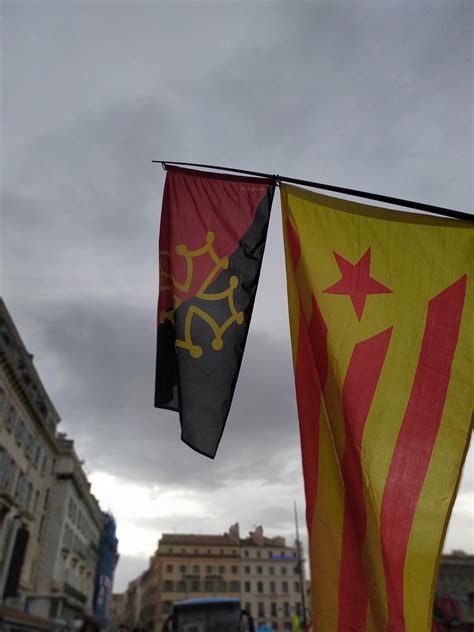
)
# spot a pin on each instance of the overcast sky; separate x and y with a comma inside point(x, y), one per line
point(370, 95)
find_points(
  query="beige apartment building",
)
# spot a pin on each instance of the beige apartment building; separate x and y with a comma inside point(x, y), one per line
point(190, 566)
point(261, 572)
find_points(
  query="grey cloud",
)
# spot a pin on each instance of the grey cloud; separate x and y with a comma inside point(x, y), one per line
point(104, 358)
point(370, 95)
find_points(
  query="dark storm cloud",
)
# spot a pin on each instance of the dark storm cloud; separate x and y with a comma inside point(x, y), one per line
point(103, 355)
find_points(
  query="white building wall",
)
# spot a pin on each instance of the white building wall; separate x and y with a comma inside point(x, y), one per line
point(271, 584)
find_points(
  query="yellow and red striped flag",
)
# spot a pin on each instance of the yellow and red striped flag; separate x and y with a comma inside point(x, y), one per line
point(381, 311)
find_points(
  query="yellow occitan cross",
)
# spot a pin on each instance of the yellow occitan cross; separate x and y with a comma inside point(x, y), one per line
point(169, 282)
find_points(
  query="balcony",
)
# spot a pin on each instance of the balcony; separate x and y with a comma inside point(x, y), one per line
point(73, 592)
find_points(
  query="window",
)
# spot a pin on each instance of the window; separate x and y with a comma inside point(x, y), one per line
point(270, 555)
point(44, 465)
point(221, 570)
point(169, 568)
point(19, 431)
point(234, 586)
point(182, 568)
point(297, 587)
point(168, 586)
point(259, 555)
point(7, 471)
point(29, 445)
point(272, 588)
point(260, 587)
point(271, 570)
point(208, 570)
point(298, 608)
point(287, 625)
point(209, 585)
point(221, 586)
point(247, 587)
point(283, 570)
point(234, 570)
point(196, 569)
point(246, 553)
point(284, 587)
point(194, 585)
point(37, 455)
point(21, 489)
point(273, 609)
point(259, 570)
point(11, 418)
point(261, 611)
point(247, 570)
point(181, 586)
point(286, 609)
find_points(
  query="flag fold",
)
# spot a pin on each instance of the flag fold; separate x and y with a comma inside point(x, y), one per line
point(212, 238)
point(381, 307)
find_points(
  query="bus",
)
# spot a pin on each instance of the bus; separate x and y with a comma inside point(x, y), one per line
point(212, 614)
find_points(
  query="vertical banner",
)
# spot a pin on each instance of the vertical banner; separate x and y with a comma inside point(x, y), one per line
point(212, 238)
point(381, 311)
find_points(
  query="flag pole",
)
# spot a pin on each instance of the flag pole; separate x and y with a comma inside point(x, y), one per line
point(301, 573)
point(419, 206)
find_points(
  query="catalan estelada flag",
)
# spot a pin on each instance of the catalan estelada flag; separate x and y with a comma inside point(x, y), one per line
point(381, 312)
point(212, 237)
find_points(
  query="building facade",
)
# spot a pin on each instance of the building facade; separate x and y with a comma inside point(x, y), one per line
point(261, 572)
point(28, 453)
point(271, 585)
point(116, 612)
point(51, 526)
point(190, 566)
point(68, 563)
point(455, 587)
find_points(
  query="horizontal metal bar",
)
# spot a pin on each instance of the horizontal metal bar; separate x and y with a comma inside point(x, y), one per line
point(427, 208)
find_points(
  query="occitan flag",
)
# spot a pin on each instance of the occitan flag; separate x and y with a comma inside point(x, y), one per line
point(381, 313)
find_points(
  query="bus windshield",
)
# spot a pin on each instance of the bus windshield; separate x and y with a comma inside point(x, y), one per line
point(202, 618)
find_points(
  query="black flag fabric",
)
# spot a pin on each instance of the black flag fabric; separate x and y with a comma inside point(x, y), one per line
point(212, 238)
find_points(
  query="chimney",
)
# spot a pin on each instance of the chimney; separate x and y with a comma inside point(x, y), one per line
point(257, 535)
point(234, 532)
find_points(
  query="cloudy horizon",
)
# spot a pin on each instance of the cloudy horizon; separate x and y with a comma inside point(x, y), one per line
point(368, 95)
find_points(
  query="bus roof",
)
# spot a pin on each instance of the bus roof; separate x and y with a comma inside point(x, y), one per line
point(201, 601)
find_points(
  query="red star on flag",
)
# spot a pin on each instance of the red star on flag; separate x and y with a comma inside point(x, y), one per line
point(356, 282)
